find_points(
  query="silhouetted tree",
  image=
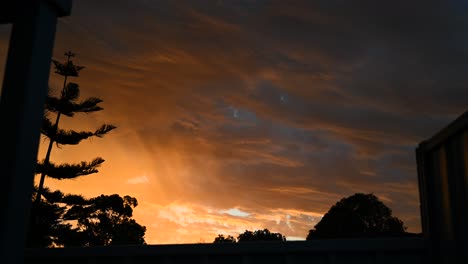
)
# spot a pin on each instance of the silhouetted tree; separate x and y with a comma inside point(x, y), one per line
point(105, 220)
point(45, 228)
point(222, 239)
point(359, 215)
point(260, 235)
point(67, 104)
point(72, 220)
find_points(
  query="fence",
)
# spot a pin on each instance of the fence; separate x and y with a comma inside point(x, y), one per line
point(409, 250)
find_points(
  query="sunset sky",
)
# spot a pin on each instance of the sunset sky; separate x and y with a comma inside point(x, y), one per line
point(253, 114)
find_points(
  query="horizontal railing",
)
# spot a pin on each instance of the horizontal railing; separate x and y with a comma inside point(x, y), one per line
point(334, 251)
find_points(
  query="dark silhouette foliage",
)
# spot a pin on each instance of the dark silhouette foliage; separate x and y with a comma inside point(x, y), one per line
point(359, 215)
point(45, 227)
point(74, 221)
point(67, 103)
point(69, 171)
point(224, 239)
point(251, 236)
point(260, 235)
point(59, 220)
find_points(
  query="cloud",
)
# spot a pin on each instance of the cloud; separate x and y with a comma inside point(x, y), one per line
point(193, 223)
point(138, 180)
point(235, 212)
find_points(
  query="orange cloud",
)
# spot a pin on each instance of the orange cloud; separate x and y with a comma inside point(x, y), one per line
point(194, 223)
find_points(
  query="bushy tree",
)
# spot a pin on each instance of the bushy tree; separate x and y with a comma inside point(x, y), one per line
point(251, 236)
point(105, 220)
point(260, 235)
point(74, 221)
point(224, 239)
point(47, 225)
point(67, 103)
point(359, 215)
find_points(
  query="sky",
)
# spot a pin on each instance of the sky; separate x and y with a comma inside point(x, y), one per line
point(251, 114)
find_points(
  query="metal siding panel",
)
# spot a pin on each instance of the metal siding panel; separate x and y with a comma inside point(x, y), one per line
point(456, 173)
point(425, 189)
point(436, 206)
point(465, 156)
point(464, 182)
point(462, 243)
point(443, 194)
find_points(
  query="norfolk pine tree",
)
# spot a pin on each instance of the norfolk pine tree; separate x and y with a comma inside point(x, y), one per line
point(67, 104)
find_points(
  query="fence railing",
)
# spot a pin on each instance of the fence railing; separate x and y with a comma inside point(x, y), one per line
point(411, 250)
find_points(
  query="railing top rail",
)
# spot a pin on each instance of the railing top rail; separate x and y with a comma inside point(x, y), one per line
point(331, 245)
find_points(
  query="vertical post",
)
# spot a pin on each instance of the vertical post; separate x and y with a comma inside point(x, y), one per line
point(22, 101)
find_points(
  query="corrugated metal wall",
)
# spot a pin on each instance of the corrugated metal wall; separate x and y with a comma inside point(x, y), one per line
point(442, 163)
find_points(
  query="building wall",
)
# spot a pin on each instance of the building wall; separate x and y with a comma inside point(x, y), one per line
point(442, 163)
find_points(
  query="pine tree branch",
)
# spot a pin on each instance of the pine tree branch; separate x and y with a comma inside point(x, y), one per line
point(71, 92)
point(58, 105)
point(59, 197)
point(71, 137)
point(69, 171)
point(104, 129)
point(51, 103)
point(53, 197)
point(67, 69)
point(73, 199)
point(47, 128)
point(69, 108)
point(88, 105)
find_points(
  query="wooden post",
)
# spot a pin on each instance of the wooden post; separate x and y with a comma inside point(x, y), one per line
point(22, 101)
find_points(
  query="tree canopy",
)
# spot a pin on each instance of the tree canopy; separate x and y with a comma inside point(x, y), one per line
point(260, 235)
point(359, 215)
point(72, 220)
point(224, 239)
point(249, 236)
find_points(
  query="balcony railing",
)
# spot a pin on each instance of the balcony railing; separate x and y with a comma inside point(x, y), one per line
point(409, 250)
